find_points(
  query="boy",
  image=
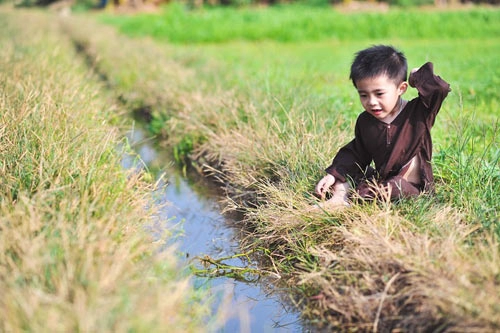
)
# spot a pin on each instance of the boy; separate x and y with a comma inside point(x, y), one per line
point(391, 132)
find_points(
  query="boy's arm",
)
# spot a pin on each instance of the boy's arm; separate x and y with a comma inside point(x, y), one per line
point(351, 159)
point(432, 89)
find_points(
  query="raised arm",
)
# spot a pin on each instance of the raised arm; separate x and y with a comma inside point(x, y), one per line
point(432, 89)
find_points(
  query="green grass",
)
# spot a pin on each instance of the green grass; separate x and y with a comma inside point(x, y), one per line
point(313, 77)
point(296, 23)
point(266, 118)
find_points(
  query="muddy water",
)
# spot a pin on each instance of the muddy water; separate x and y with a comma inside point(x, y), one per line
point(255, 304)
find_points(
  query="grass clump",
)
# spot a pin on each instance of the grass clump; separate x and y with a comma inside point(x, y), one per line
point(74, 252)
point(469, 175)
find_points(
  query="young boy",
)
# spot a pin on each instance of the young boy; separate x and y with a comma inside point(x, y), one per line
point(391, 132)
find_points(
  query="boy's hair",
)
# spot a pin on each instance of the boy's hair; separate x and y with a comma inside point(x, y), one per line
point(379, 60)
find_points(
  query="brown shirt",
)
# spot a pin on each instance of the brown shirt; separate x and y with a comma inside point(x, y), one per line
point(392, 146)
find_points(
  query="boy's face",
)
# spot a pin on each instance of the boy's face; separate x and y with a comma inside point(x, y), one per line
point(379, 96)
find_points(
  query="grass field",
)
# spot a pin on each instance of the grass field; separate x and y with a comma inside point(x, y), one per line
point(267, 108)
point(266, 117)
point(295, 23)
point(74, 251)
point(275, 77)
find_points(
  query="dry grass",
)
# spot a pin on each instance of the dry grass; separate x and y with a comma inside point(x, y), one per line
point(388, 277)
point(74, 252)
point(372, 269)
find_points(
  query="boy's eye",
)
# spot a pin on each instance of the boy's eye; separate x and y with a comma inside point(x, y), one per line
point(380, 94)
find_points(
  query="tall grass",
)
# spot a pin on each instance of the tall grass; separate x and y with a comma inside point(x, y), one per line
point(266, 118)
point(74, 252)
point(310, 81)
point(293, 23)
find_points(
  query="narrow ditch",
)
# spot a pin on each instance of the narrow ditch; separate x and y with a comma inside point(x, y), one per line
point(190, 207)
point(208, 241)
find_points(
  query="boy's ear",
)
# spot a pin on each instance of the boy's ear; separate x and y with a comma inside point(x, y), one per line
point(402, 87)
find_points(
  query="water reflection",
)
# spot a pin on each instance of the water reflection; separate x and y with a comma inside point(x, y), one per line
point(256, 306)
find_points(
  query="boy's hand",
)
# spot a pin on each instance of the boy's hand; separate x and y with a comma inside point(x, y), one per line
point(410, 81)
point(324, 185)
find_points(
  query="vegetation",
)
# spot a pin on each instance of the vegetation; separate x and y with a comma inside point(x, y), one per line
point(266, 117)
point(74, 253)
point(176, 24)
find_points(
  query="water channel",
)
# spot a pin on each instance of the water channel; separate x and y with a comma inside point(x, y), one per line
point(193, 209)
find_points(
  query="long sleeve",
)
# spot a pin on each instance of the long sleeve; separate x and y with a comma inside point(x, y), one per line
point(391, 146)
point(352, 159)
point(412, 136)
point(432, 90)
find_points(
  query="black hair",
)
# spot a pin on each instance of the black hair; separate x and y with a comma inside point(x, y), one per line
point(378, 60)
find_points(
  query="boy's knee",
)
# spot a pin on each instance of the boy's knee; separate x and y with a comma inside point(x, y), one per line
point(366, 191)
point(400, 188)
point(395, 188)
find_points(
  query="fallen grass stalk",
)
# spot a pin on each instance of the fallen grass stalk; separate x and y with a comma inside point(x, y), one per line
point(217, 267)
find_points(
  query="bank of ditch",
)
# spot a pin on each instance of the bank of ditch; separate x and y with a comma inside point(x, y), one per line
point(75, 254)
point(423, 265)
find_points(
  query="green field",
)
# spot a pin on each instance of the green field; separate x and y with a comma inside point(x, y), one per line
point(267, 103)
point(309, 73)
point(295, 23)
point(260, 98)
